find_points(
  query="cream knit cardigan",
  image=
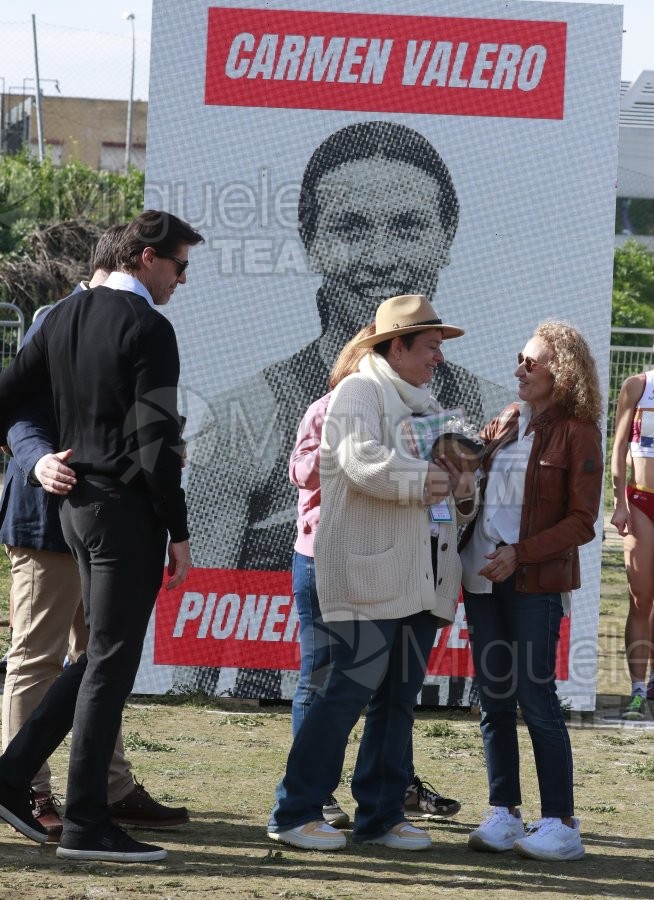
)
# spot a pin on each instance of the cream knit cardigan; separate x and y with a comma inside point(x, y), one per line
point(373, 542)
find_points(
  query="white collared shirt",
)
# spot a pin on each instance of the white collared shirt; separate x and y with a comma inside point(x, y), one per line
point(123, 281)
point(499, 518)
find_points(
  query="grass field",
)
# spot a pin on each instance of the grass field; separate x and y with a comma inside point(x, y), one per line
point(222, 760)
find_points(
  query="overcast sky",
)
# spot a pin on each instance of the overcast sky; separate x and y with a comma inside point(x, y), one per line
point(85, 45)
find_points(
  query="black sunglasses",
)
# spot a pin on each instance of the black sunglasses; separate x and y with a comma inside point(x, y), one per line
point(529, 362)
point(182, 264)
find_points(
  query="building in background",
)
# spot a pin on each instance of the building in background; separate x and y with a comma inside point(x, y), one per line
point(88, 130)
point(635, 203)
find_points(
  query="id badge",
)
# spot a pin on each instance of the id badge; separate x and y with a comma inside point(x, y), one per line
point(440, 512)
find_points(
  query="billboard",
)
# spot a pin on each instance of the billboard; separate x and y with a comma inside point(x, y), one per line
point(334, 154)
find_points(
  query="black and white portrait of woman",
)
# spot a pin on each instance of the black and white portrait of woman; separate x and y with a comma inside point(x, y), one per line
point(377, 216)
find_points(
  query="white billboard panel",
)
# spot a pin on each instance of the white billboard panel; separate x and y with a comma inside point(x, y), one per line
point(333, 154)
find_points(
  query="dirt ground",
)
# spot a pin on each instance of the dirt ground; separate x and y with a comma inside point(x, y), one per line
point(223, 760)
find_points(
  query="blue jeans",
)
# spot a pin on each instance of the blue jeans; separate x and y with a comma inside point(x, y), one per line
point(314, 647)
point(314, 638)
point(381, 663)
point(513, 638)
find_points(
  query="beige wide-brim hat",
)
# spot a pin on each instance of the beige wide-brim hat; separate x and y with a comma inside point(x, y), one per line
point(403, 315)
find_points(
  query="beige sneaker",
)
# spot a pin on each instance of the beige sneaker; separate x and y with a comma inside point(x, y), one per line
point(316, 835)
point(403, 836)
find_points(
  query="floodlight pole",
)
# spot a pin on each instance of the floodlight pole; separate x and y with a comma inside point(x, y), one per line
point(39, 109)
point(128, 138)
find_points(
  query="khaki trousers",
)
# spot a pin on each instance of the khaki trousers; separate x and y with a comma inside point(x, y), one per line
point(48, 623)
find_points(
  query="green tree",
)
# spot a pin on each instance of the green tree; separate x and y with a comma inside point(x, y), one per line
point(50, 218)
point(633, 293)
point(633, 272)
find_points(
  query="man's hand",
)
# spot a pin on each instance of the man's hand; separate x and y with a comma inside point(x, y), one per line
point(179, 562)
point(54, 475)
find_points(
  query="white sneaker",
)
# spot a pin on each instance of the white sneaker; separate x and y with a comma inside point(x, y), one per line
point(403, 836)
point(550, 839)
point(316, 835)
point(498, 831)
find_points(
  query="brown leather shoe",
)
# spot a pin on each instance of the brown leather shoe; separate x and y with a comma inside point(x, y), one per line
point(45, 810)
point(140, 810)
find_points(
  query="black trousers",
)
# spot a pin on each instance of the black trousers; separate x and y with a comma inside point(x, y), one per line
point(119, 544)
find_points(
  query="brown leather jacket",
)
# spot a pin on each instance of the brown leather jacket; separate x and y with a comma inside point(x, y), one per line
point(563, 485)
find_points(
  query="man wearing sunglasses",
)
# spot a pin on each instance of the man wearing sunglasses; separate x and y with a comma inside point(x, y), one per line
point(112, 365)
point(47, 596)
point(158, 266)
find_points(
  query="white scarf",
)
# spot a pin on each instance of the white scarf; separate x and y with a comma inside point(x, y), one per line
point(395, 388)
point(401, 400)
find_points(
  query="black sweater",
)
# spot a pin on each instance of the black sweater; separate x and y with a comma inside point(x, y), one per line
point(113, 367)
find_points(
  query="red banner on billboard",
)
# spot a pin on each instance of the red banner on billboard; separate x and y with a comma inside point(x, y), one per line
point(367, 62)
point(247, 619)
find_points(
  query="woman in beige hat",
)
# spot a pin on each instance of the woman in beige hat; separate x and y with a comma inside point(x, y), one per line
point(387, 578)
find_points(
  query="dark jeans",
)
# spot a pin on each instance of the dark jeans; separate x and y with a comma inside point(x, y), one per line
point(119, 544)
point(513, 638)
point(378, 662)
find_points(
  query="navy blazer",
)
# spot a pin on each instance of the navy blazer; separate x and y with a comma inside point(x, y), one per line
point(29, 516)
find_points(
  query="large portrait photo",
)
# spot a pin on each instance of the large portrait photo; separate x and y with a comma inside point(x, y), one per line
point(336, 155)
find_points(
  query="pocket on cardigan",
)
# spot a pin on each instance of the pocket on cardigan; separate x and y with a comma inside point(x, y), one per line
point(373, 578)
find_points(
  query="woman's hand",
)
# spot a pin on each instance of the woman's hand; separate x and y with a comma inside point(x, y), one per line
point(503, 562)
point(620, 519)
point(462, 484)
point(437, 485)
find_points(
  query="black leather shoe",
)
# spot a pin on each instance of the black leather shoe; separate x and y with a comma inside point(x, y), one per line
point(140, 810)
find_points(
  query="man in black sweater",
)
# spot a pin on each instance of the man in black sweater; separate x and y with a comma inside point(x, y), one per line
point(113, 366)
point(48, 613)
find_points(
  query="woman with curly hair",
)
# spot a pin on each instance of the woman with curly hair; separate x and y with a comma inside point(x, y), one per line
point(541, 494)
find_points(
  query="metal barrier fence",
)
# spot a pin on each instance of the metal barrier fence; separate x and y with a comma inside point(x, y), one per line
point(12, 331)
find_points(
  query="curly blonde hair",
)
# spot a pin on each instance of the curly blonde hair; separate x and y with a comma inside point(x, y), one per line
point(576, 384)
